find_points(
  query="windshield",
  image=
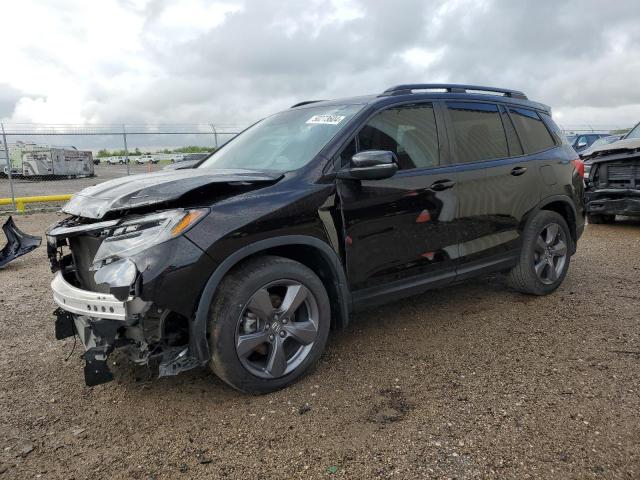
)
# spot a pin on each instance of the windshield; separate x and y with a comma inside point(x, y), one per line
point(284, 141)
point(635, 133)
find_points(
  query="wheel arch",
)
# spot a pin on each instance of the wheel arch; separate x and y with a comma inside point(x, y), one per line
point(310, 251)
point(566, 209)
point(562, 205)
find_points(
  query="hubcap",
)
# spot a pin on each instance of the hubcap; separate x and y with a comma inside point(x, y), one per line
point(277, 329)
point(550, 254)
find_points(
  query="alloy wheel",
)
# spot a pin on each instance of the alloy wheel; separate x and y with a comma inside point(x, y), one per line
point(550, 253)
point(277, 329)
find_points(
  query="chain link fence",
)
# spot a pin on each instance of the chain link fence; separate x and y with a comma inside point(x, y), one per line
point(593, 128)
point(49, 161)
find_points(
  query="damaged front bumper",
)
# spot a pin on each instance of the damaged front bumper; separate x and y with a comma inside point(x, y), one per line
point(93, 304)
point(100, 320)
point(103, 323)
point(142, 303)
point(613, 202)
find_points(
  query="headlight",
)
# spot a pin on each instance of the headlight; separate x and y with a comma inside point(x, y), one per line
point(136, 234)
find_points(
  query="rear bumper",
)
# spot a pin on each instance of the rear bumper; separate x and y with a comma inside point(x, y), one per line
point(625, 202)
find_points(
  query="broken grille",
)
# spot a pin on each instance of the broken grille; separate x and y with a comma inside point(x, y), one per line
point(621, 175)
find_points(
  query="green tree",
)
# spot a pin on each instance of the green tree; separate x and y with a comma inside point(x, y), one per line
point(194, 149)
point(620, 131)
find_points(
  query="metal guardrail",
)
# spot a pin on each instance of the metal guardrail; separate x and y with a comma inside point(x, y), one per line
point(20, 202)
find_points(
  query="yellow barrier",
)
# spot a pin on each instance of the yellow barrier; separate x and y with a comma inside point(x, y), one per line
point(21, 201)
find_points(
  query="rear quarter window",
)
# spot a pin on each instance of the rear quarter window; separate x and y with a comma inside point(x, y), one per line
point(531, 129)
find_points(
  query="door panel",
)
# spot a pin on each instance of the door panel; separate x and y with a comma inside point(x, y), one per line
point(494, 197)
point(401, 227)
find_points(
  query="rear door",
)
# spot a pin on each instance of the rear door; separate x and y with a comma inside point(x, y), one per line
point(497, 182)
point(400, 232)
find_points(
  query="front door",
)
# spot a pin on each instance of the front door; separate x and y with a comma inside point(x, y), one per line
point(400, 232)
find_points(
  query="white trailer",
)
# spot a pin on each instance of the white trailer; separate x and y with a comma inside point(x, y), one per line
point(57, 162)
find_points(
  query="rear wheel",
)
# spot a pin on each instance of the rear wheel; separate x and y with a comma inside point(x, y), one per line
point(544, 258)
point(269, 324)
point(596, 219)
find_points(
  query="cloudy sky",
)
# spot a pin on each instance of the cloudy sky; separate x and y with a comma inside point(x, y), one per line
point(232, 62)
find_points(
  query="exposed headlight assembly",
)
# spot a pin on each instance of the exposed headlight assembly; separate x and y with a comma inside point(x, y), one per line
point(139, 233)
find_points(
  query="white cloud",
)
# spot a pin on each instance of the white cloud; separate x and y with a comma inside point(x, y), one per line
point(233, 61)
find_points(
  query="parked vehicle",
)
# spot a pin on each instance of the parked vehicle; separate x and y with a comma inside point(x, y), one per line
point(598, 143)
point(116, 160)
point(188, 161)
point(245, 262)
point(57, 162)
point(613, 183)
point(581, 142)
point(144, 159)
point(170, 157)
point(4, 168)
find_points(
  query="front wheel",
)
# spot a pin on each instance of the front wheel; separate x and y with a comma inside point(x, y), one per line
point(269, 324)
point(545, 255)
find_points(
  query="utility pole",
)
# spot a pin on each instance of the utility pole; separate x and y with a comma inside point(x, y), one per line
point(215, 136)
point(126, 151)
point(9, 166)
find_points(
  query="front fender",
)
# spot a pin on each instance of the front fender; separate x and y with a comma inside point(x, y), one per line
point(198, 343)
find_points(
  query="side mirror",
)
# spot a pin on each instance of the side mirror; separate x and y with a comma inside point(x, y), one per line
point(370, 165)
point(582, 143)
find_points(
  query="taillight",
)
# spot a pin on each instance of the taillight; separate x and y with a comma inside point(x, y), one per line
point(579, 166)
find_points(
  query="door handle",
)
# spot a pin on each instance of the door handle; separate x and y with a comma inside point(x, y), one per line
point(441, 185)
point(518, 171)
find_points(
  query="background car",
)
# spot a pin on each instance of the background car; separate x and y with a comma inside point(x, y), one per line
point(187, 161)
point(144, 159)
point(597, 144)
point(116, 160)
point(580, 142)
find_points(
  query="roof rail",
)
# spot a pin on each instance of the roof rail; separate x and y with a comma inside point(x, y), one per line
point(451, 88)
point(306, 102)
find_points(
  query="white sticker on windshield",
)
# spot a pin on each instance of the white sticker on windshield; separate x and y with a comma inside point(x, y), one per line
point(326, 119)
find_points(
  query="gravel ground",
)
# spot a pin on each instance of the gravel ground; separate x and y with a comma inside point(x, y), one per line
point(473, 381)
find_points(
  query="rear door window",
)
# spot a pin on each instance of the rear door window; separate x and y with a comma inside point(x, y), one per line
point(531, 129)
point(478, 131)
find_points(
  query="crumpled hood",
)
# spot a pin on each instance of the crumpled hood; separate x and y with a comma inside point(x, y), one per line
point(615, 147)
point(143, 190)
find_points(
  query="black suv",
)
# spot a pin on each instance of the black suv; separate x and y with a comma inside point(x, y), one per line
point(245, 262)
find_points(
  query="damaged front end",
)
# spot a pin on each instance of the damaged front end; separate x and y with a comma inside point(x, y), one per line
point(118, 282)
point(613, 184)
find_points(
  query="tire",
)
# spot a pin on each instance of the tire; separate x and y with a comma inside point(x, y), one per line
point(533, 273)
point(246, 332)
point(598, 219)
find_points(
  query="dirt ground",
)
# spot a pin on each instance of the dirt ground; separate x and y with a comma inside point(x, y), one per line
point(473, 381)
